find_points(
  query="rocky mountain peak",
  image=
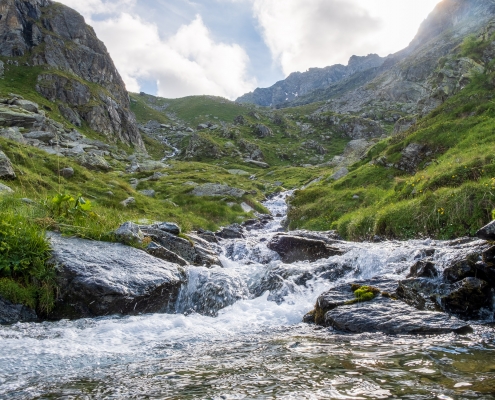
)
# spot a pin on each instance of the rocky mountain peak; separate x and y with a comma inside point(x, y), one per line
point(57, 37)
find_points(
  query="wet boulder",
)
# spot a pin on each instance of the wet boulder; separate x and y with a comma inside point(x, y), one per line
point(423, 269)
point(234, 231)
point(341, 309)
point(194, 250)
point(461, 269)
point(297, 248)
point(99, 278)
point(487, 232)
point(467, 298)
point(12, 313)
point(392, 317)
point(161, 252)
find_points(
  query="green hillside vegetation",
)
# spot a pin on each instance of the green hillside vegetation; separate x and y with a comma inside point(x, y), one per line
point(451, 194)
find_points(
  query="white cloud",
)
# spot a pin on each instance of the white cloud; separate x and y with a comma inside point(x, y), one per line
point(317, 33)
point(188, 63)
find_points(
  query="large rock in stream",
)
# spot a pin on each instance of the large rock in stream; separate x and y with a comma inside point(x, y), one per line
point(339, 309)
point(99, 278)
point(296, 247)
point(11, 313)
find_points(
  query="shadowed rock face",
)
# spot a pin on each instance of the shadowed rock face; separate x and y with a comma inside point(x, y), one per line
point(54, 35)
point(97, 279)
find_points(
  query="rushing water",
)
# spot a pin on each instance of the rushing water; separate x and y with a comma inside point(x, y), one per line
point(232, 338)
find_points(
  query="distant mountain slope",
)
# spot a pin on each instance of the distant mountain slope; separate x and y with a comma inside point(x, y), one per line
point(78, 72)
point(408, 77)
point(300, 84)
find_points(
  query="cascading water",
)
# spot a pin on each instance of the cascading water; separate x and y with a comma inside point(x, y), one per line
point(237, 334)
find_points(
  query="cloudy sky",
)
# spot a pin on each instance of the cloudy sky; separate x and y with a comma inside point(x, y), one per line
point(176, 48)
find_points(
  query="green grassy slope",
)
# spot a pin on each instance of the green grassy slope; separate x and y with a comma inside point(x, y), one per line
point(451, 193)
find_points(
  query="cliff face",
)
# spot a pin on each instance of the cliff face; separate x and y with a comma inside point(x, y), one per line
point(80, 74)
point(299, 84)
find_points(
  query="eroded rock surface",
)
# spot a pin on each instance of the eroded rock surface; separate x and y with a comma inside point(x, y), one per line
point(97, 278)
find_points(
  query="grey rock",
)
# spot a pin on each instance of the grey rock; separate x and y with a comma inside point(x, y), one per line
point(11, 117)
point(98, 278)
point(215, 190)
point(234, 231)
point(129, 232)
point(392, 317)
point(4, 189)
point(12, 313)
point(423, 269)
point(148, 192)
point(161, 252)
point(257, 163)
point(71, 115)
point(238, 172)
point(263, 131)
point(2, 69)
point(13, 133)
point(195, 250)
point(200, 147)
point(467, 298)
point(27, 105)
point(67, 172)
point(42, 136)
point(340, 174)
point(169, 227)
point(487, 232)
point(6, 168)
point(93, 162)
point(297, 248)
point(127, 202)
point(201, 127)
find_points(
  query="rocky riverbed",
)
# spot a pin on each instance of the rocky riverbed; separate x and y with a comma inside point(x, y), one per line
point(235, 300)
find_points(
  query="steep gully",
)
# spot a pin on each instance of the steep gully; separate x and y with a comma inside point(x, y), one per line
point(237, 333)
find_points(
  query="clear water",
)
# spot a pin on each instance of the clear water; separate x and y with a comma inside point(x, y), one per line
point(226, 342)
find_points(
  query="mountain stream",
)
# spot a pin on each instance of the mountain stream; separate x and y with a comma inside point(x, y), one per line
point(232, 338)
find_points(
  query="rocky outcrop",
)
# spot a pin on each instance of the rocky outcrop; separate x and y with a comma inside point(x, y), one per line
point(56, 36)
point(6, 168)
point(215, 190)
point(201, 147)
point(97, 278)
point(293, 248)
point(11, 313)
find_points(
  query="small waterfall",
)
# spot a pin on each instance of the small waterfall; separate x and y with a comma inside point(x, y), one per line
point(251, 270)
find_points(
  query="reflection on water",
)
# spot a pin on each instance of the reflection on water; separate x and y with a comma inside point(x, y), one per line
point(254, 348)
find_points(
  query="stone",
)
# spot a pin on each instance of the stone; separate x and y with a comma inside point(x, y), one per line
point(394, 318)
point(215, 190)
point(27, 105)
point(263, 131)
point(99, 278)
point(169, 227)
point(297, 248)
point(238, 172)
point(423, 269)
point(234, 231)
point(157, 176)
point(161, 252)
point(127, 202)
point(129, 232)
point(340, 174)
point(246, 207)
point(257, 163)
point(2, 69)
point(195, 250)
point(12, 313)
point(202, 126)
point(6, 168)
point(69, 114)
point(148, 192)
point(13, 133)
point(93, 162)
point(467, 298)
point(487, 232)
point(67, 172)
point(4, 189)
point(10, 117)
point(461, 269)
point(240, 120)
